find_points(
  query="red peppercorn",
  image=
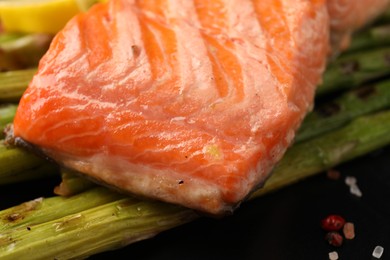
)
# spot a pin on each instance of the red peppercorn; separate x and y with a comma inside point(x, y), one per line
point(332, 223)
point(334, 238)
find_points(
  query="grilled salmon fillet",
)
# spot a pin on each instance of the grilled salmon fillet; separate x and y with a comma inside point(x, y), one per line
point(350, 15)
point(188, 102)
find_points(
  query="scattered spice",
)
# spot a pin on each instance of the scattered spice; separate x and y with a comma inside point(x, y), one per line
point(350, 180)
point(333, 255)
point(349, 230)
point(378, 252)
point(334, 238)
point(353, 187)
point(333, 174)
point(332, 223)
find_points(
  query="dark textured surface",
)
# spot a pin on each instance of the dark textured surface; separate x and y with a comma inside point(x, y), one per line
point(282, 225)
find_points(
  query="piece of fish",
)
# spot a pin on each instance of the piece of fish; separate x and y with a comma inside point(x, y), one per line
point(189, 102)
point(348, 15)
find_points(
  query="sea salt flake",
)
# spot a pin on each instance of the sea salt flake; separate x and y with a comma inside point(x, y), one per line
point(349, 230)
point(354, 189)
point(333, 255)
point(378, 252)
point(350, 180)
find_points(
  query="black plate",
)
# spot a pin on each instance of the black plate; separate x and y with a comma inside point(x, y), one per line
point(282, 225)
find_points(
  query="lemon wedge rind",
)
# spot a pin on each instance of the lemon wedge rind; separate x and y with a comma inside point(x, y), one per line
point(39, 16)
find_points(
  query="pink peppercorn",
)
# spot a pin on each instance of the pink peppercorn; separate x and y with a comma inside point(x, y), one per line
point(334, 238)
point(332, 223)
point(333, 174)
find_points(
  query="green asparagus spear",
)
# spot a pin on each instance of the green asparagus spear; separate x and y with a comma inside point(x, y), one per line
point(22, 51)
point(361, 136)
point(38, 172)
point(72, 184)
point(81, 234)
point(17, 164)
point(122, 222)
point(354, 69)
point(6, 37)
point(7, 113)
point(333, 114)
point(14, 83)
point(43, 210)
point(370, 38)
point(384, 18)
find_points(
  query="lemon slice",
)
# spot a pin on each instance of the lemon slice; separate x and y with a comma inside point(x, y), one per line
point(39, 16)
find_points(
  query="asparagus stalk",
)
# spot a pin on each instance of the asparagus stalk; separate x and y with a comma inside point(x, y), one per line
point(384, 18)
point(106, 227)
point(125, 221)
point(333, 114)
point(40, 171)
point(72, 184)
point(354, 69)
point(14, 83)
point(44, 210)
point(372, 37)
point(7, 113)
point(22, 51)
point(6, 37)
point(363, 135)
point(17, 165)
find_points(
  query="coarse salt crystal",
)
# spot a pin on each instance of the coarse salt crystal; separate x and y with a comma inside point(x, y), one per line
point(378, 252)
point(350, 180)
point(333, 255)
point(349, 230)
point(354, 189)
